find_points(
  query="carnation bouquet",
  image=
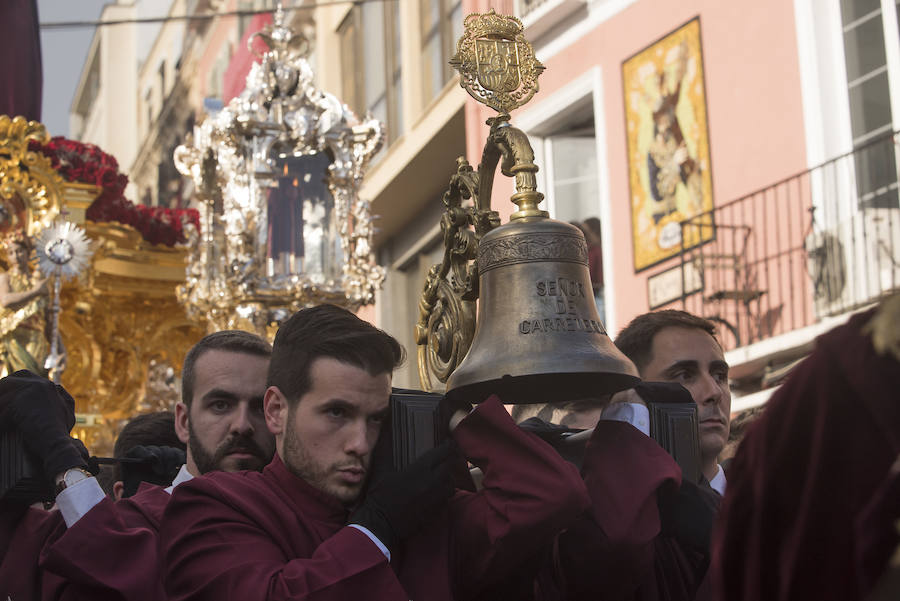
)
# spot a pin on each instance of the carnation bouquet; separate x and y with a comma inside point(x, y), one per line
point(85, 163)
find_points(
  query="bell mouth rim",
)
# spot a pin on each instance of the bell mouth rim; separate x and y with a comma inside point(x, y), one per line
point(552, 387)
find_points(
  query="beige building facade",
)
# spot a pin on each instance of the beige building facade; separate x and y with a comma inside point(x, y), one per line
point(104, 108)
point(144, 85)
point(390, 59)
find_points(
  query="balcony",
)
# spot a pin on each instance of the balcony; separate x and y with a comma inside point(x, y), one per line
point(809, 248)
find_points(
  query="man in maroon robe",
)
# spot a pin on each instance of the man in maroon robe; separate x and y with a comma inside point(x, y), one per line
point(813, 501)
point(676, 346)
point(301, 529)
point(647, 534)
point(95, 548)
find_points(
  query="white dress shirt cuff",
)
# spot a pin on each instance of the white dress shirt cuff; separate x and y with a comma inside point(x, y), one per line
point(183, 476)
point(635, 414)
point(78, 499)
point(373, 538)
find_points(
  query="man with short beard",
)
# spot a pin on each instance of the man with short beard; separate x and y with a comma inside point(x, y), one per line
point(303, 529)
point(106, 548)
point(220, 415)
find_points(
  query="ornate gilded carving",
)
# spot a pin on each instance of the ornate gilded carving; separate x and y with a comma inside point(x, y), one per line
point(496, 64)
point(29, 201)
point(23, 310)
point(120, 321)
point(447, 307)
point(113, 343)
point(240, 159)
point(532, 247)
point(161, 390)
point(29, 186)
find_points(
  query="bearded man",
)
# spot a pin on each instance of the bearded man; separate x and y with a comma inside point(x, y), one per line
point(95, 547)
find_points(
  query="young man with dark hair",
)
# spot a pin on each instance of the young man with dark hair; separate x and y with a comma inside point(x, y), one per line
point(648, 534)
point(330, 518)
point(225, 375)
point(349, 361)
point(675, 346)
point(636, 339)
point(151, 437)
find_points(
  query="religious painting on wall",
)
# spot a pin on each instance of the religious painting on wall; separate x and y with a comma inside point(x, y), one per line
point(668, 146)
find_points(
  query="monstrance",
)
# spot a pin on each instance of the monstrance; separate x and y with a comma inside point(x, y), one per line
point(63, 251)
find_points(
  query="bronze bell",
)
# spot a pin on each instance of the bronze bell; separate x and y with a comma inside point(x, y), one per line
point(538, 337)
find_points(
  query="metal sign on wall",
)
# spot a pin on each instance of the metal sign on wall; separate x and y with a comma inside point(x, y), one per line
point(674, 284)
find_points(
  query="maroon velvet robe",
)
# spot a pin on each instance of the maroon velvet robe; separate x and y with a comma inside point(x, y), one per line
point(110, 553)
point(270, 535)
point(643, 537)
point(806, 473)
point(22, 536)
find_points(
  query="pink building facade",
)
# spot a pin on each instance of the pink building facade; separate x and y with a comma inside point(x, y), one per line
point(764, 131)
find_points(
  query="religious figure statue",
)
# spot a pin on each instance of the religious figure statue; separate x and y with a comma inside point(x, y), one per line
point(24, 341)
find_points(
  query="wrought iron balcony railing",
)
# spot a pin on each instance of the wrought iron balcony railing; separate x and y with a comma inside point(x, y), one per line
point(816, 244)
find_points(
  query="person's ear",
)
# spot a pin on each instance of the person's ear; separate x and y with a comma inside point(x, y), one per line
point(182, 417)
point(118, 489)
point(275, 408)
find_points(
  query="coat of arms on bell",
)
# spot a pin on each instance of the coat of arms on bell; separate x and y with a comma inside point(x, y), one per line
point(497, 65)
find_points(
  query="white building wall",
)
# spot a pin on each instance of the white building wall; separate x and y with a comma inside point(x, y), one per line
point(111, 122)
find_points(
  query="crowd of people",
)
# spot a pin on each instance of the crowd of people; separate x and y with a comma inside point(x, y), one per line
point(271, 480)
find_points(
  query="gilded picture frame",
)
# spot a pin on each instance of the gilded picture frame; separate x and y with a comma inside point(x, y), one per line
point(669, 166)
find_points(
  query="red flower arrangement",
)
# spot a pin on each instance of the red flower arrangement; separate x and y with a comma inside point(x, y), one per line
point(86, 163)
